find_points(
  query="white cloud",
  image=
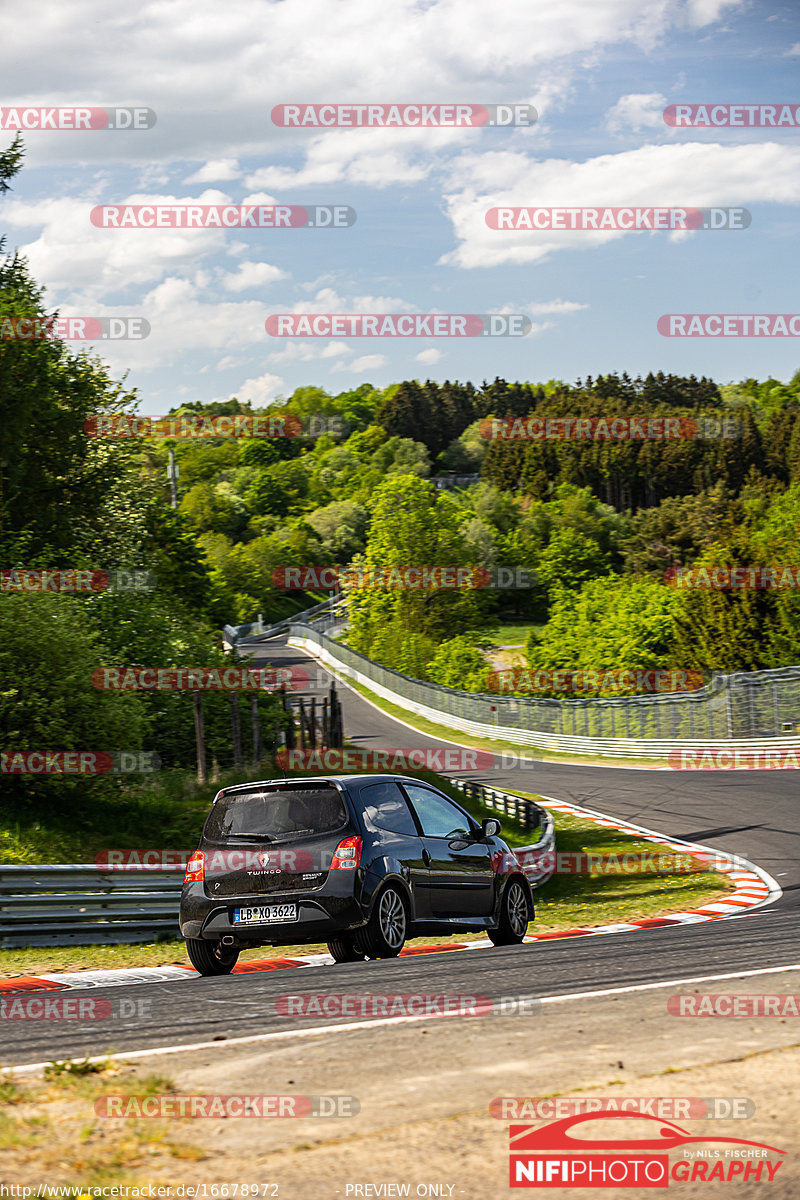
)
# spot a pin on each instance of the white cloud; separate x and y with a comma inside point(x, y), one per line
point(328, 300)
point(260, 198)
point(638, 110)
point(795, 49)
point(71, 255)
point(306, 351)
point(703, 12)
point(429, 357)
point(259, 391)
point(220, 170)
point(540, 308)
point(693, 173)
point(185, 320)
point(368, 362)
point(251, 275)
point(212, 84)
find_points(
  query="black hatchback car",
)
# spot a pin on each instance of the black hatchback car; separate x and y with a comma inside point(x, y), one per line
point(361, 862)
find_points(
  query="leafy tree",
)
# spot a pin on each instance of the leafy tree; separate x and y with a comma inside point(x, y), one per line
point(410, 526)
point(609, 623)
point(47, 701)
point(568, 560)
point(461, 664)
point(679, 529)
point(341, 527)
point(214, 509)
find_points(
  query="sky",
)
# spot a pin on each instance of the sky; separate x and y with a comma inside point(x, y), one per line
point(599, 74)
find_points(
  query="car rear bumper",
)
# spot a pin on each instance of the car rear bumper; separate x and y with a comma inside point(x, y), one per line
point(318, 918)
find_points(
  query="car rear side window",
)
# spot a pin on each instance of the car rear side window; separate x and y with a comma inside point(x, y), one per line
point(384, 807)
point(280, 815)
point(437, 816)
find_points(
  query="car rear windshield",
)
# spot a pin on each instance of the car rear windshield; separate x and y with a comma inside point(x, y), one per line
point(280, 815)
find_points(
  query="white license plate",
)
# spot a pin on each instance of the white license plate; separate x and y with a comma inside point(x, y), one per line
point(265, 914)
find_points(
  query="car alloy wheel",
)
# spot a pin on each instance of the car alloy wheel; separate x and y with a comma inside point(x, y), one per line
point(513, 923)
point(517, 909)
point(392, 918)
point(385, 933)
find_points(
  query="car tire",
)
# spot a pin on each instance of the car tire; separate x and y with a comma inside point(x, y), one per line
point(211, 958)
point(513, 923)
point(343, 949)
point(385, 933)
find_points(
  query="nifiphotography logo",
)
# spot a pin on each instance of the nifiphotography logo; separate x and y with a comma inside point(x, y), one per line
point(565, 1154)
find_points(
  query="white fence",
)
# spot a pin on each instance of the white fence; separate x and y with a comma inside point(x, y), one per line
point(735, 711)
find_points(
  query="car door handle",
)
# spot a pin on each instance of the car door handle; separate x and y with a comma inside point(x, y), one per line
point(426, 858)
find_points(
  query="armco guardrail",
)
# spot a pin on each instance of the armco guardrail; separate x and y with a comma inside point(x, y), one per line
point(323, 615)
point(733, 711)
point(82, 905)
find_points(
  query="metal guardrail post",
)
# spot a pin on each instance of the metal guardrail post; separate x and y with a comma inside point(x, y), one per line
point(82, 904)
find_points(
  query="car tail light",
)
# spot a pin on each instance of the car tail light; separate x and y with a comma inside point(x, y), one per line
point(347, 855)
point(195, 868)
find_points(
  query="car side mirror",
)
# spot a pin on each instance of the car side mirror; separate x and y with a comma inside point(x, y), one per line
point(490, 827)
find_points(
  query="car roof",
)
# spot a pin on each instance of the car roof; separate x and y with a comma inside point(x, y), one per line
point(342, 780)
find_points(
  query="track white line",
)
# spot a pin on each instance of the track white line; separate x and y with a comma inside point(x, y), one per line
point(324, 1030)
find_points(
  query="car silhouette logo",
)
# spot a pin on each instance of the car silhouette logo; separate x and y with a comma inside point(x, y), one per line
point(557, 1135)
